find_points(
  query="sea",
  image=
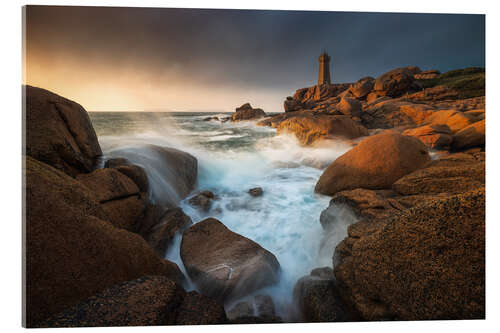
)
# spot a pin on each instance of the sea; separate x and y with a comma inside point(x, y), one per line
point(234, 157)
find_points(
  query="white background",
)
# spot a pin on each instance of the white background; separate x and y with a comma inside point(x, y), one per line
point(10, 158)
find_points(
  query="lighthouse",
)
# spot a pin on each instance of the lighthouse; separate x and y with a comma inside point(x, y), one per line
point(324, 69)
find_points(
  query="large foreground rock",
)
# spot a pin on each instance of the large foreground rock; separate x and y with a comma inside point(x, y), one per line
point(72, 252)
point(375, 163)
point(147, 301)
point(246, 112)
point(59, 132)
point(224, 264)
point(312, 127)
point(426, 263)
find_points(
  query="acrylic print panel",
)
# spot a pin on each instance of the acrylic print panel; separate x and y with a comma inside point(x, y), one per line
point(195, 166)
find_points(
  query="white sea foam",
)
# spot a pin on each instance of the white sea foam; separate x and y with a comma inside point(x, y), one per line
point(285, 219)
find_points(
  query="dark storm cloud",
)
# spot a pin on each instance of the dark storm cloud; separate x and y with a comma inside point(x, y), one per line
point(248, 48)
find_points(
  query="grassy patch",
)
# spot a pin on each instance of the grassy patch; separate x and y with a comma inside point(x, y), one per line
point(468, 82)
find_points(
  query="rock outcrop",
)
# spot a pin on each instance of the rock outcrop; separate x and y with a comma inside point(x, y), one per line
point(470, 136)
point(246, 112)
point(375, 163)
point(83, 254)
point(426, 75)
point(426, 262)
point(349, 107)
point(132, 171)
point(202, 200)
point(119, 197)
point(259, 309)
point(224, 264)
point(313, 127)
point(362, 87)
point(147, 301)
point(59, 132)
point(441, 176)
point(455, 120)
point(394, 83)
point(434, 136)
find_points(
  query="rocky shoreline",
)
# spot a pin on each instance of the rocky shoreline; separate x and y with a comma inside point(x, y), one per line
point(415, 181)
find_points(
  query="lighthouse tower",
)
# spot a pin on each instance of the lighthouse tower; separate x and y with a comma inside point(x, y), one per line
point(324, 69)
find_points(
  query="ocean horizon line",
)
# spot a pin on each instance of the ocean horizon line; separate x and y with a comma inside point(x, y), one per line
point(160, 111)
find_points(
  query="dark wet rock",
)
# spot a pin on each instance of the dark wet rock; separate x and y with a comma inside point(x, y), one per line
point(147, 301)
point(66, 222)
point(241, 309)
point(181, 171)
point(197, 309)
point(59, 132)
point(264, 306)
point(317, 297)
point(172, 222)
point(150, 217)
point(211, 118)
point(171, 173)
point(257, 320)
point(256, 191)
point(224, 264)
point(375, 163)
point(246, 112)
point(202, 200)
point(424, 263)
point(259, 309)
point(116, 162)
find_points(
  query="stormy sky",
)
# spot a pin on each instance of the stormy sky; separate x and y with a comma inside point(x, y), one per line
point(152, 59)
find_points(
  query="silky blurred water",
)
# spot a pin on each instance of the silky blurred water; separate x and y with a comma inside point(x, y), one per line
point(232, 158)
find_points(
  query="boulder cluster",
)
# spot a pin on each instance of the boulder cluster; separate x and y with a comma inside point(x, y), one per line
point(96, 241)
point(416, 185)
point(401, 99)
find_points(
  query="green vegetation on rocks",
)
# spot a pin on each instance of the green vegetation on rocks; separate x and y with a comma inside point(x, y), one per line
point(469, 82)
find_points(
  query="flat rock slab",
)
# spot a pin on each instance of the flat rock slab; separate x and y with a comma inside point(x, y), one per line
point(224, 264)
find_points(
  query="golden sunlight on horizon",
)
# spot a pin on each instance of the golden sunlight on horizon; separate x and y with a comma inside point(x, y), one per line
point(101, 87)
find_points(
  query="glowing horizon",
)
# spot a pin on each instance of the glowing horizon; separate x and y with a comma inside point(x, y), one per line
point(165, 59)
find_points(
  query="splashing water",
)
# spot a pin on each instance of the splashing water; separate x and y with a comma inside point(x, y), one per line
point(233, 158)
